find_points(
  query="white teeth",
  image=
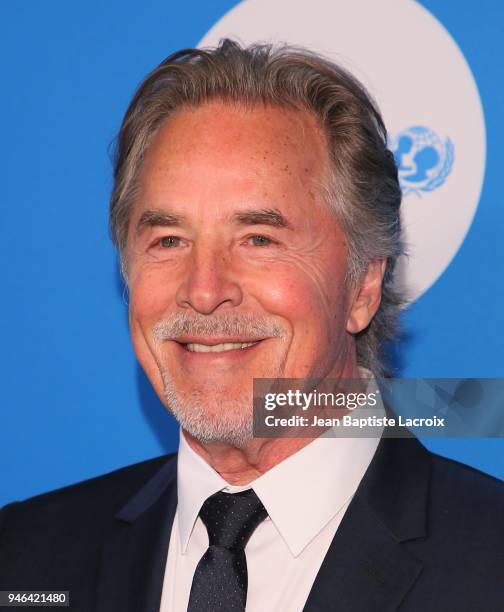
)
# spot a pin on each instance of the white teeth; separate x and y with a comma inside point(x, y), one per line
point(217, 348)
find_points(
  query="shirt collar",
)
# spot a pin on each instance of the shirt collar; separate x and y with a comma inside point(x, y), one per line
point(301, 494)
point(196, 481)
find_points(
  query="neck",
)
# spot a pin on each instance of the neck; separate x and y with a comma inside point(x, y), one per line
point(240, 466)
point(243, 465)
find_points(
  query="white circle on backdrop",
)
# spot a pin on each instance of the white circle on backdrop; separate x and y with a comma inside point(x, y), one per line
point(427, 94)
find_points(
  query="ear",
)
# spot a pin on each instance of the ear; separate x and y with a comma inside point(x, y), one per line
point(367, 297)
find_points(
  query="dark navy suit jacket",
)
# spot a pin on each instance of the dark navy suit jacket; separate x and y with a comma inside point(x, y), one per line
point(422, 534)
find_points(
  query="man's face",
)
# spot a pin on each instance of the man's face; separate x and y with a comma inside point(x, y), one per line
point(229, 244)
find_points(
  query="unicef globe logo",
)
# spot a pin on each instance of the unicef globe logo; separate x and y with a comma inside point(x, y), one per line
point(424, 161)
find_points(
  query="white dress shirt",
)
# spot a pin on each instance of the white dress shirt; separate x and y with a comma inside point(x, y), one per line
point(306, 497)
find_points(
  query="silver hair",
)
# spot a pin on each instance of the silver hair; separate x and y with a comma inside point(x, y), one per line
point(233, 420)
point(232, 325)
point(362, 185)
point(230, 423)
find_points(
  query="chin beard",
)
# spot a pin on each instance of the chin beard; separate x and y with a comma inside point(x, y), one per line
point(229, 422)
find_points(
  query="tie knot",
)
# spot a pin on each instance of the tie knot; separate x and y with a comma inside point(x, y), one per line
point(230, 518)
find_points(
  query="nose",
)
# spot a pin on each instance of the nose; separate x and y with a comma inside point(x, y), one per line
point(209, 282)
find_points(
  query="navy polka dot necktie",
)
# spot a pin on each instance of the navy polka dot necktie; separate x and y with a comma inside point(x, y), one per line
point(220, 580)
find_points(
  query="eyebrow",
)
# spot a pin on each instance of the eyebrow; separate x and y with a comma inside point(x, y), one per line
point(264, 216)
point(154, 218)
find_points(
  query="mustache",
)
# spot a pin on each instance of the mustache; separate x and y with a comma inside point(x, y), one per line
point(250, 326)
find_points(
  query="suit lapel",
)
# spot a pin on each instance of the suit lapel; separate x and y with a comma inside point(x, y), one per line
point(133, 556)
point(366, 567)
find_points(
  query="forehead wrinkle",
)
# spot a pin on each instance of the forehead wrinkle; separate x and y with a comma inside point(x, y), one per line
point(295, 146)
point(235, 128)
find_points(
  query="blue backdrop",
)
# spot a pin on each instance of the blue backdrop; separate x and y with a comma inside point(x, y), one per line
point(74, 402)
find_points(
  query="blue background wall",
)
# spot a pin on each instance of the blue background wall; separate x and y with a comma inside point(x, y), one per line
point(74, 402)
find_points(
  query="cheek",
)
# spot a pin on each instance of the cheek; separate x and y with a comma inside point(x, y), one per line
point(150, 295)
point(307, 299)
point(148, 300)
point(313, 311)
point(285, 295)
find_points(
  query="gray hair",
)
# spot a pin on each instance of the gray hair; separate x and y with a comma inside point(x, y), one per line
point(362, 187)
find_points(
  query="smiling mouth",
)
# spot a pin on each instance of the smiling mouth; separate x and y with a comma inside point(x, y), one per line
point(194, 347)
